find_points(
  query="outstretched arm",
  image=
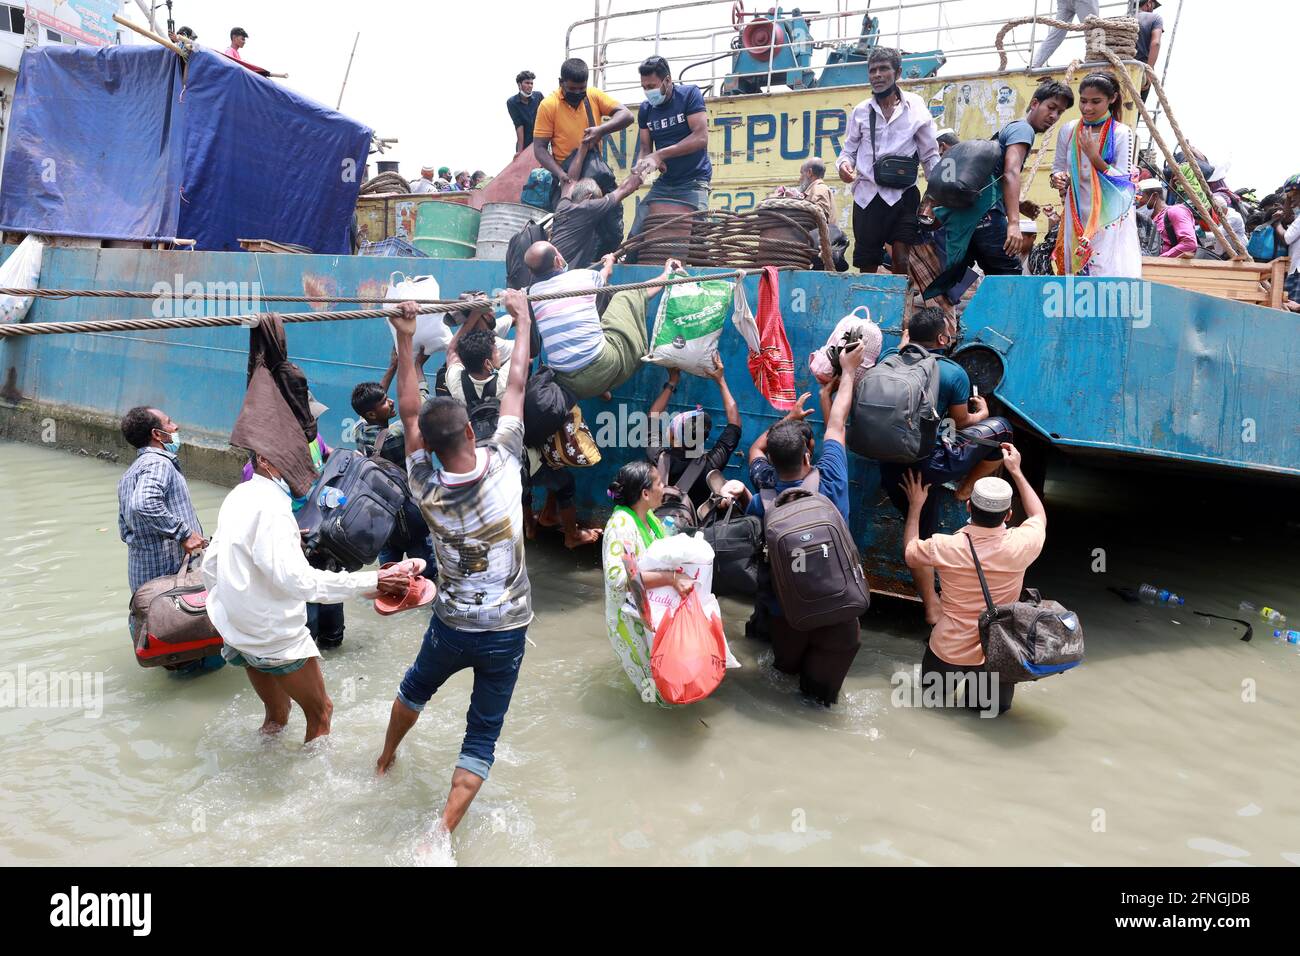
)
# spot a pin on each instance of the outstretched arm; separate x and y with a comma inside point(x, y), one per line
point(408, 377)
point(850, 359)
point(516, 303)
point(796, 414)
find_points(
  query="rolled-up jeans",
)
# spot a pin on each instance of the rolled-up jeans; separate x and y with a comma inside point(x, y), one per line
point(692, 195)
point(495, 657)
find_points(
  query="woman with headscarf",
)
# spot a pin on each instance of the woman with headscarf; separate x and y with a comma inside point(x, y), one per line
point(1092, 171)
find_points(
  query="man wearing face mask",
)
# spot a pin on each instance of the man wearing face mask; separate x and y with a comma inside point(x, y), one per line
point(674, 140)
point(156, 518)
point(571, 117)
point(259, 583)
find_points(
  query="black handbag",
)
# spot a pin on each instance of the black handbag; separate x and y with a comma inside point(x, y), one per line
point(896, 172)
point(737, 542)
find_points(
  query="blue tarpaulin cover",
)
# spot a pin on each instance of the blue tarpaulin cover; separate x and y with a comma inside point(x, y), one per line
point(125, 143)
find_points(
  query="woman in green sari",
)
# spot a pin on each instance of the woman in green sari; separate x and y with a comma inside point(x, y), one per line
point(636, 491)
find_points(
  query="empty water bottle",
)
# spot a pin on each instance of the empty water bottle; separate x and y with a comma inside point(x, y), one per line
point(1150, 594)
point(1291, 637)
point(331, 497)
point(1271, 615)
point(670, 526)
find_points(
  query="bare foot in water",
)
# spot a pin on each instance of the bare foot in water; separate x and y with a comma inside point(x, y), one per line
point(581, 537)
point(270, 728)
point(384, 763)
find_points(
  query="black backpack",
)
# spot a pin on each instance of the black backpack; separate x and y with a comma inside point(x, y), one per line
point(483, 410)
point(677, 497)
point(546, 406)
point(815, 568)
point(518, 275)
point(352, 534)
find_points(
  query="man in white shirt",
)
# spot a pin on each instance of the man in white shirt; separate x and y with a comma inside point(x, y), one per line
point(425, 183)
point(473, 505)
point(259, 583)
point(1286, 221)
point(903, 128)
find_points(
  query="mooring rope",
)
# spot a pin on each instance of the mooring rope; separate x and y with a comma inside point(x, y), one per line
point(1114, 40)
point(252, 319)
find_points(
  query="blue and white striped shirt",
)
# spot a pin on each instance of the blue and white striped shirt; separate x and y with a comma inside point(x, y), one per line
point(154, 515)
point(570, 328)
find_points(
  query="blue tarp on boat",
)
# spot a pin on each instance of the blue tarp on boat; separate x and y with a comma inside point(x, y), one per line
point(128, 143)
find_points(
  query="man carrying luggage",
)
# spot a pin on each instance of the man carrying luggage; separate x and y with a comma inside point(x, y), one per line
point(967, 447)
point(782, 458)
point(155, 516)
point(954, 652)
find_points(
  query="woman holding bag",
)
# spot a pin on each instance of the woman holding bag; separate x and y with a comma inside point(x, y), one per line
point(636, 491)
point(1092, 170)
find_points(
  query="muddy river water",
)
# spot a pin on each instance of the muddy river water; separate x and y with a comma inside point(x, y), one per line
point(1175, 742)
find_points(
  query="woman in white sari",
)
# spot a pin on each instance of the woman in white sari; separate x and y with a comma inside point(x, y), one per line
point(1093, 171)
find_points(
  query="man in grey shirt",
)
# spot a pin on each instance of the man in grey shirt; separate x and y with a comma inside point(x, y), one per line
point(1151, 27)
point(578, 214)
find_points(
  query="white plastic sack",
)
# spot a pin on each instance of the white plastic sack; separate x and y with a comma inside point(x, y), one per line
point(693, 556)
point(743, 319)
point(818, 362)
point(22, 270)
point(434, 332)
point(689, 323)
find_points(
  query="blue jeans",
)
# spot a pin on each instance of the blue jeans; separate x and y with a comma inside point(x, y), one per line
point(495, 657)
point(693, 194)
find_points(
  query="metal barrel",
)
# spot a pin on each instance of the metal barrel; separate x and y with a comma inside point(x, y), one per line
point(446, 229)
point(501, 220)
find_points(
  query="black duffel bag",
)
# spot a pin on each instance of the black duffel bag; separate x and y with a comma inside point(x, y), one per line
point(546, 406)
point(737, 542)
point(964, 171)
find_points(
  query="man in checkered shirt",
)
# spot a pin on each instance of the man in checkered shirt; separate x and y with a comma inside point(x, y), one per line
point(155, 516)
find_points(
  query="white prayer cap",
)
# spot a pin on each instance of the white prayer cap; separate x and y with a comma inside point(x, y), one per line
point(1149, 184)
point(1028, 225)
point(992, 495)
point(426, 169)
point(944, 132)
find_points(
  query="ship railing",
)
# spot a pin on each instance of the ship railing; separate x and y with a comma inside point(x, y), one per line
point(700, 51)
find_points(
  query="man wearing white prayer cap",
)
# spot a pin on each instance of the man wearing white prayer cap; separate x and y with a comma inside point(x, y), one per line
point(1028, 236)
point(954, 655)
point(425, 183)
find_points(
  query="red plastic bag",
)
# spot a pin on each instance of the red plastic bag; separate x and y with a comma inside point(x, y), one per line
point(690, 653)
point(772, 368)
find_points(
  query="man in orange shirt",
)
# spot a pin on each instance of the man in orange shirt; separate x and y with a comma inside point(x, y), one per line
point(954, 654)
point(571, 117)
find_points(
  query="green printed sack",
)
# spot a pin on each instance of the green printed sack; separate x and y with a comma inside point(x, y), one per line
point(690, 320)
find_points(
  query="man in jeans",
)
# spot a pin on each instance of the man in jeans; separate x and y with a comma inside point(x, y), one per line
point(674, 139)
point(1066, 11)
point(473, 506)
point(954, 653)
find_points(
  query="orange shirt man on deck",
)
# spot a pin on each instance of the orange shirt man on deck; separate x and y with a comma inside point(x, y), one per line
point(1004, 553)
point(563, 123)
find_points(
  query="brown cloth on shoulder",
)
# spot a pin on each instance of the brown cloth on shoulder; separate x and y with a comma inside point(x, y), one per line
point(275, 420)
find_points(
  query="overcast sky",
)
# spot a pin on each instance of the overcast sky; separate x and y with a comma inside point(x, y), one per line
point(436, 75)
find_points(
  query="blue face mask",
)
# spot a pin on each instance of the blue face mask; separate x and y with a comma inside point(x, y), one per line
point(174, 445)
point(655, 97)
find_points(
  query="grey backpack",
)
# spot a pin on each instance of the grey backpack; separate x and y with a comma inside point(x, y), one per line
point(895, 417)
point(814, 563)
point(1029, 639)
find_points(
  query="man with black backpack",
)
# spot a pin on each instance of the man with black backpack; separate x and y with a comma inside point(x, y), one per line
point(964, 446)
point(954, 652)
point(812, 590)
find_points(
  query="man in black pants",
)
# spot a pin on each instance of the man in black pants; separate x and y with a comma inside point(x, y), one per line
point(903, 127)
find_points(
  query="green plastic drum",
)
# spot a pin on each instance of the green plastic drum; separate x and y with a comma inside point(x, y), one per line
point(446, 230)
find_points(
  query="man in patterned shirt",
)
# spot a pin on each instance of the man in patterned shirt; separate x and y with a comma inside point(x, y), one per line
point(473, 505)
point(156, 518)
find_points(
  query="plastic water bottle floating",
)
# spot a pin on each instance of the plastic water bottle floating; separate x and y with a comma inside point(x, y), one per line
point(331, 497)
point(1271, 615)
point(1150, 594)
point(1291, 637)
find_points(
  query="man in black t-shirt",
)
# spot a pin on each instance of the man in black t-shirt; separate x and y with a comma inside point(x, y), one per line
point(522, 108)
point(688, 433)
point(575, 230)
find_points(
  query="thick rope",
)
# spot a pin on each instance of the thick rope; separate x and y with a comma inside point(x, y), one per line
point(718, 238)
point(253, 319)
point(1119, 34)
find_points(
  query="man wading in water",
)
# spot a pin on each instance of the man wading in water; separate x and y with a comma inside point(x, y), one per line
point(473, 505)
